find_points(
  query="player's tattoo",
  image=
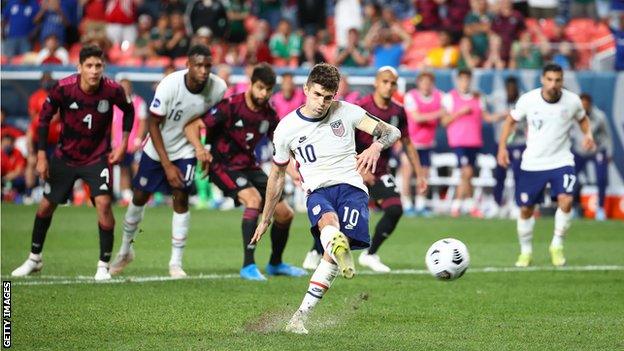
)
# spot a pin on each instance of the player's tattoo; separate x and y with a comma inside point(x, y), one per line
point(386, 134)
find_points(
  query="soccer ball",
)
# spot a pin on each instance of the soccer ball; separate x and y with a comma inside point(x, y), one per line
point(447, 259)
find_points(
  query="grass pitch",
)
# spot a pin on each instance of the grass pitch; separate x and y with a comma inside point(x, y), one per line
point(493, 307)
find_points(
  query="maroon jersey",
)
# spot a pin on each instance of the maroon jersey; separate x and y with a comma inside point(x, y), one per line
point(235, 130)
point(86, 119)
point(394, 115)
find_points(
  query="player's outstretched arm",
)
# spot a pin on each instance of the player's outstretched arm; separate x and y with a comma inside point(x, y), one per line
point(174, 175)
point(588, 137)
point(414, 159)
point(503, 155)
point(386, 135)
point(275, 185)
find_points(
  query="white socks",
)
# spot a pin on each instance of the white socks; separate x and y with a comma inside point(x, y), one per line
point(327, 234)
point(525, 234)
point(134, 216)
point(179, 229)
point(421, 200)
point(320, 282)
point(562, 224)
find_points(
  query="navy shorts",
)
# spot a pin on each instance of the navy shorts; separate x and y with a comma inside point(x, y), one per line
point(151, 176)
point(425, 157)
point(466, 156)
point(531, 184)
point(350, 204)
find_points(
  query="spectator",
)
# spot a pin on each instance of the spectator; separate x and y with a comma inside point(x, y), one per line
point(269, 10)
point(527, 55)
point(284, 44)
point(120, 18)
point(142, 46)
point(12, 167)
point(70, 9)
point(352, 54)
point(583, 9)
point(129, 164)
point(237, 11)
point(507, 25)
point(310, 53)
point(543, 8)
point(51, 20)
point(255, 51)
point(561, 46)
point(208, 13)
point(348, 17)
point(224, 72)
point(372, 15)
point(289, 97)
point(171, 6)
point(52, 53)
point(7, 129)
point(18, 23)
point(93, 16)
point(453, 21)
point(160, 35)
point(444, 56)
point(178, 44)
point(477, 29)
point(203, 36)
point(428, 17)
point(312, 16)
point(387, 44)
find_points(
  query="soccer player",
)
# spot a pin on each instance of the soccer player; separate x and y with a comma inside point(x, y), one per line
point(168, 161)
point(550, 112)
point(234, 128)
point(85, 101)
point(423, 108)
point(381, 183)
point(463, 118)
point(600, 156)
point(321, 137)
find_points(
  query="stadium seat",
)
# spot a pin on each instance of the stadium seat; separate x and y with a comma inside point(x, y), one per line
point(158, 61)
point(422, 42)
point(17, 60)
point(130, 61)
point(180, 62)
point(74, 53)
point(4, 60)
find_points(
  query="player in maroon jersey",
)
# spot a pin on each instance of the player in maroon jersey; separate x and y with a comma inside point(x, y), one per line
point(381, 184)
point(85, 101)
point(234, 127)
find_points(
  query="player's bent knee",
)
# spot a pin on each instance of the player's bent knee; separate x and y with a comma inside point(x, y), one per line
point(250, 198)
point(565, 202)
point(329, 218)
point(46, 208)
point(526, 212)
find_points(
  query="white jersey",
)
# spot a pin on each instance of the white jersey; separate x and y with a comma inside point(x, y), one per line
point(324, 148)
point(177, 106)
point(549, 125)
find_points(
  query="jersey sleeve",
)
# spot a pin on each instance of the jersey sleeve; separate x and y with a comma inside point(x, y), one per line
point(281, 151)
point(124, 103)
point(519, 112)
point(353, 114)
point(162, 98)
point(403, 123)
point(447, 102)
point(218, 114)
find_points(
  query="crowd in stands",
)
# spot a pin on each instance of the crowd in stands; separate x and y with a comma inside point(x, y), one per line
point(415, 34)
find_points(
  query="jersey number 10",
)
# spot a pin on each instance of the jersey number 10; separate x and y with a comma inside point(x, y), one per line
point(307, 153)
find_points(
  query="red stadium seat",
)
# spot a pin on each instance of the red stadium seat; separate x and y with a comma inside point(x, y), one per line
point(158, 61)
point(180, 62)
point(4, 60)
point(130, 61)
point(17, 60)
point(74, 53)
point(329, 51)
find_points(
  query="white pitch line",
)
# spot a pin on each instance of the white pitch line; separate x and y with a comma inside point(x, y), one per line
point(67, 280)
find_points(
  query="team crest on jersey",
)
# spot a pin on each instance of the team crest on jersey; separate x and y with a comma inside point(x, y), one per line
point(264, 127)
point(316, 210)
point(338, 128)
point(240, 181)
point(537, 123)
point(156, 103)
point(103, 106)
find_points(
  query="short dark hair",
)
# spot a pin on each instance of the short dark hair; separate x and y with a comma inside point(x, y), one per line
point(263, 72)
point(425, 74)
point(511, 80)
point(464, 72)
point(90, 51)
point(288, 74)
point(324, 75)
point(587, 97)
point(551, 67)
point(199, 49)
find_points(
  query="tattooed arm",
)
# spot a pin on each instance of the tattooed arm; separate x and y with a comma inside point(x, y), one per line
point(386, 135)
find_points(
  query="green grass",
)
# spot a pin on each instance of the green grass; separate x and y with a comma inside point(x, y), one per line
point(532, 310)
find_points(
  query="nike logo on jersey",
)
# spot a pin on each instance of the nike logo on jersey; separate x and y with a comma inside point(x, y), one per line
point(73, 106)
point(302, 139)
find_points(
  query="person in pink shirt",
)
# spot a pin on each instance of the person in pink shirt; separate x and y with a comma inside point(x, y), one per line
point(289, 98)
point(135, 141)
point(423, 107)
point(464, 112)
point(345, 93)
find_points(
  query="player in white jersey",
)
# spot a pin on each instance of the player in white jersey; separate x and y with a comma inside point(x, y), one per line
point(320, 135)
point(550, 113)
point(168, 161)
